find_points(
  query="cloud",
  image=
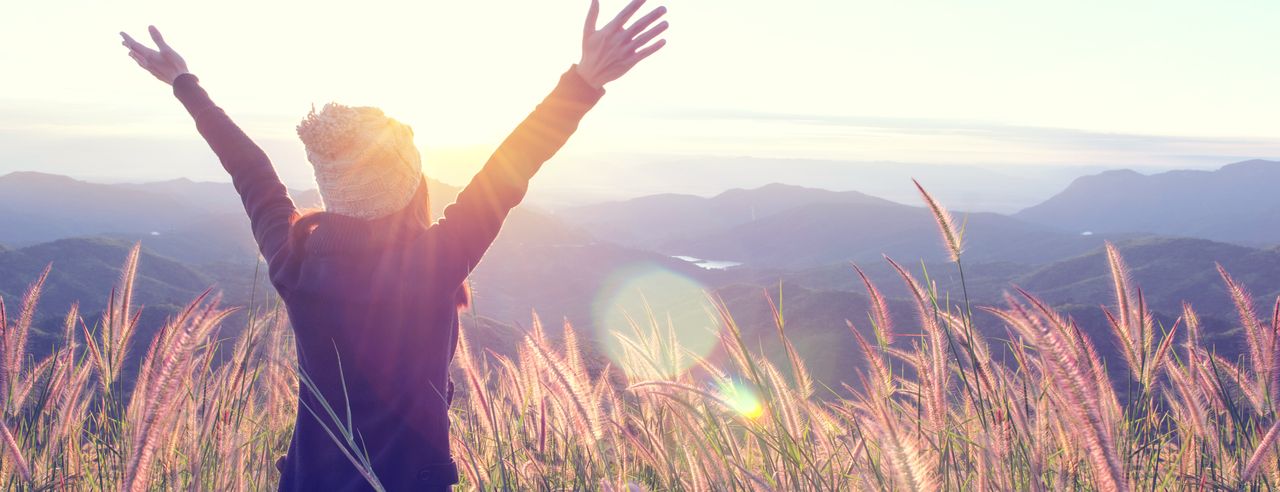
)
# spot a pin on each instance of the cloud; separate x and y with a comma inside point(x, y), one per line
point(1182, 148)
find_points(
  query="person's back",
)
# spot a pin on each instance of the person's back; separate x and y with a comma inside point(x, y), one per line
point(371, 330)
point(372, 286)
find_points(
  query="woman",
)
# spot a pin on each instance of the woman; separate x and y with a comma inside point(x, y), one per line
point(371, 285)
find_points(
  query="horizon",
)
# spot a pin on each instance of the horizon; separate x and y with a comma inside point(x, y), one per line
point(969, 197)
point(1096, 89)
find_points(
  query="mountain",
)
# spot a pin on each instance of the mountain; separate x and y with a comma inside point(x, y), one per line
point(566, 265)
point(827, 233)
point(653, 220)
point(194, 222)
point(38, 207)
point(1003, 188)
point(1236, 203)
point(85, 270)
point(792, 227)
point(562, 281)
point(1169, 271)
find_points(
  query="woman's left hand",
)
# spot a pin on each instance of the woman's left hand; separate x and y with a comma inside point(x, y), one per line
point(165, 64)
point(610, 52)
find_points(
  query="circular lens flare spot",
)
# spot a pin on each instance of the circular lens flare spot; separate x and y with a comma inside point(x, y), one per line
point(742, 400)
point(654, 323)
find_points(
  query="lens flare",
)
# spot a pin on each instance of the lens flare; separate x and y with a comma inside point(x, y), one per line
point(742, 399)
point(653, 322)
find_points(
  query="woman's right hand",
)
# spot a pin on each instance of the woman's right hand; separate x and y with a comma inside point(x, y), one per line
point(610, 52)
point(164, 64)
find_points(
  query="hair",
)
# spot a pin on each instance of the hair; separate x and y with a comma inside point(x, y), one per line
point(415, 215)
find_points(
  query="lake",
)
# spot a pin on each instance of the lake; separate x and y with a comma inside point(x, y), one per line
point(709, 264)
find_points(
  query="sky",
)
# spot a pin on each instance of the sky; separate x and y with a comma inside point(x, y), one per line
point(1028, 87)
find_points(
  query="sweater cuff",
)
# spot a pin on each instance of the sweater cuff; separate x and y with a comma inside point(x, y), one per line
point(573, 86)
point(188, 91)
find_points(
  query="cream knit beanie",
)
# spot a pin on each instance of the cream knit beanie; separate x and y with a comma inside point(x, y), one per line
point(365, 163)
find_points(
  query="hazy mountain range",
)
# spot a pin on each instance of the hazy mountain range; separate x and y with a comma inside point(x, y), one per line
point(1236, 203)
point(1172, 228)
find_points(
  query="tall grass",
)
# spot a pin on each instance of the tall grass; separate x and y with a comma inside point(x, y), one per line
point(187, 423)
point(942, 404)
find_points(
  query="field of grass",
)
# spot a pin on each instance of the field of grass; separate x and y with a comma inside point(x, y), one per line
point(940, 407)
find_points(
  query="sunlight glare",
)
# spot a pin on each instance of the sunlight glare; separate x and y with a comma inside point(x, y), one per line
point(649, 305)
point(742, 399)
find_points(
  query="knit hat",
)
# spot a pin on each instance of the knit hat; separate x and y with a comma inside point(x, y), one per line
point(365, 163)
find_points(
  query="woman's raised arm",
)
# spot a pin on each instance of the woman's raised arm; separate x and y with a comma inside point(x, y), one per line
point(472, 222)
point(265, 198)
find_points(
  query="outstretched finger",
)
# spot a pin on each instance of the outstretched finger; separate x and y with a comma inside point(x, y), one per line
point(647, 36)
point(648, 51)
point(155, 36)
point(138, 58)
point(625, 15)
point(129, 41)
point(593, 16)
point(134, 45)
point(647, 20)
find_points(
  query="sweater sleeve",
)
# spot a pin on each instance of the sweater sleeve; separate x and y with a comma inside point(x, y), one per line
point(470, 224)
point(265, 198)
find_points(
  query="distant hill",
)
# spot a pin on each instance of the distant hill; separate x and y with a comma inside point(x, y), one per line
point(559, 280)
point(654, 220)
point(194, 222)
point(831, 232)
point(1236, 203)
point(1169, 272)
point(791, 227)
point(38, 207)
point(85, 270)
point(195, 236)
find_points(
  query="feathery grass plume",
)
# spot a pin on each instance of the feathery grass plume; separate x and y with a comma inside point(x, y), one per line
point(1191, 401)
point(1081, 403)
point(477, 382)
point(659, 385)
point(1110, 401)
point(1260, 453)
point(951, 236)
point(904, 455)
point(1122, 322)
point(1274, 370)
point(586, 412)
point(119, 322)
point(1258, 342)
point(166, 377)
point(1192, 320)
point(883, 322)
point(882, 376)
point(804, 382)
point(14, 451)
point(1156, 364)
point(1241, 378)
point(1120, 284)
point(924, 303)
point(573, 350)
point(14, 346)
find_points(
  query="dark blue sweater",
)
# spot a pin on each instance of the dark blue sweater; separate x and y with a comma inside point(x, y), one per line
point(380, 304)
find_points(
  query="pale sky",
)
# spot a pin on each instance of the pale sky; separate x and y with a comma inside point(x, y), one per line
point(1014, 83)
